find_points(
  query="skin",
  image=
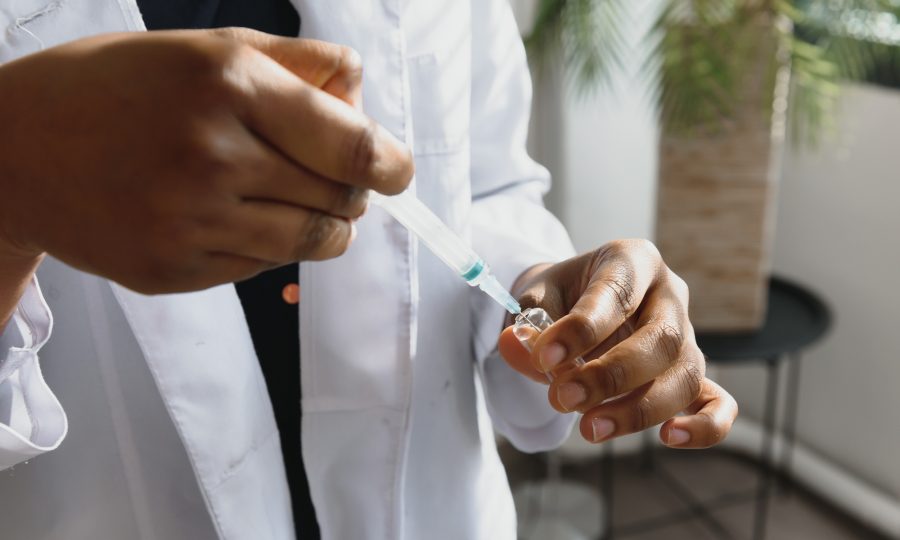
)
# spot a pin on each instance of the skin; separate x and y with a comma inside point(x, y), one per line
point(625, 313)
point(176, 161)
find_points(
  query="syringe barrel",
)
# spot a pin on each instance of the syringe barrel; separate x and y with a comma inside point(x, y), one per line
point(446, 245)
point(422, 222)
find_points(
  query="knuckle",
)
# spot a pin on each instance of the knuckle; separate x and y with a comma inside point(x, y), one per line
point(641, 248)
point(615, 247)
point(669, 341)
point(643, 415)
point(207, 59)
point(676, 289)
point(341, 238)
point(647, 247)
point(398, 174)
point(235, 33)
point(405, 174)
point(359, 203)
point(343, 246)
point(310, 236)
point(319, 232)
point(362, 152)
point(715, 432)
point(679, 285)
point(621, 290)
point(349, 64)
point(690, 381)
point(613, 379)
point(585, 330)
point(237, 43)
point(627, 246)
point(215, 74)
point(349, 201)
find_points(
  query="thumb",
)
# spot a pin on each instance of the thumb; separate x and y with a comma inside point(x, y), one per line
point(336, 69)
point(518, 357)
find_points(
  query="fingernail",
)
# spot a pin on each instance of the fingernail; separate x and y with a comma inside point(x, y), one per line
point(678, 436)
point(571, 395)
point(552, 355)
point(602, 428)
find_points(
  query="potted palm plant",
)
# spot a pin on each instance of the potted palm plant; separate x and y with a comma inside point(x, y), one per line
point(729, 78)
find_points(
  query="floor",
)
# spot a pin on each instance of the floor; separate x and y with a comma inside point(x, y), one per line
point(644, 503)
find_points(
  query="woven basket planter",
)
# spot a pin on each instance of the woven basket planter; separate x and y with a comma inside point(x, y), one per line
point(715, 213)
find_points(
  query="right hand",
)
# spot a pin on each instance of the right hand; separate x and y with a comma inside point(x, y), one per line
point(175, 161)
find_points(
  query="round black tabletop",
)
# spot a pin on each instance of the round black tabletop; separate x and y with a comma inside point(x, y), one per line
point(795, 318)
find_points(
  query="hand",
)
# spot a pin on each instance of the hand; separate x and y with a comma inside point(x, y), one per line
point(626, 314)
point(175, 161)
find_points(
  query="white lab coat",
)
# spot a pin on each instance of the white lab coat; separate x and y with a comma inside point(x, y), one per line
point(171, 430)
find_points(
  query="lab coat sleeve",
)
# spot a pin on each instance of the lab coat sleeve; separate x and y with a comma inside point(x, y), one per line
point(32, 421)
point(511, 228)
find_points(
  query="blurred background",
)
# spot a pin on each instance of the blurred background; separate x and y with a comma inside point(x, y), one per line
point(758, 143)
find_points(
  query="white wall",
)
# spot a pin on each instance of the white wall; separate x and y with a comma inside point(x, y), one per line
point(601, 149)
point(837, 231)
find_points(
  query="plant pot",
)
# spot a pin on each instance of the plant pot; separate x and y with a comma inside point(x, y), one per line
point(715, 209)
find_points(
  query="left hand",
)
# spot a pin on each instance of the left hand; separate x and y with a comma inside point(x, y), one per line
point(626, 313)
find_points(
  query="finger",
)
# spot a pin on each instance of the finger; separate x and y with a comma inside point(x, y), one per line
point(275, 178)
point(201, 272)
point(280, 233)
point(322, 133)
point(517, 356)
point(333, 68)
point(622, 274)
point(651, 404)
point(709, 420)
point(229, 268)
point(655, 347)
point(192, 273)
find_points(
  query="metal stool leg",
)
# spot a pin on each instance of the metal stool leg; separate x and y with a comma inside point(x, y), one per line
point(790, 417)
point(767, 450)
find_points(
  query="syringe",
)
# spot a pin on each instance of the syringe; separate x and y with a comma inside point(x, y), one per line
point(448, 246)
point(456, 254)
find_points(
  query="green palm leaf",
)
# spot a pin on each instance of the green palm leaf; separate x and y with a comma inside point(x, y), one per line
point(700, 52)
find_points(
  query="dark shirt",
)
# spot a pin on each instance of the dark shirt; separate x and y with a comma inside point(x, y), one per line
point(272, 16)
point(274, 324)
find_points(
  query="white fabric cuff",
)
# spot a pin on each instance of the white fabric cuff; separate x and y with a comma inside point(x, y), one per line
point(514, 232)
point(32, 421)
point(511, 245)
point(522, 413)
